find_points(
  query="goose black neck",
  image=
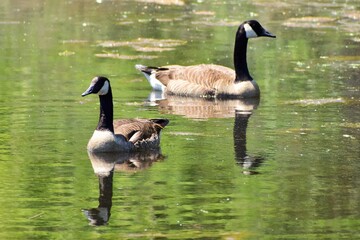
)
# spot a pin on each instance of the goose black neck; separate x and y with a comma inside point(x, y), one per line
point(240, 64)
point(106, 112)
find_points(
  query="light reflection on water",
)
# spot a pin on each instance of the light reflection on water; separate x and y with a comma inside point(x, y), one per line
point(302, 139)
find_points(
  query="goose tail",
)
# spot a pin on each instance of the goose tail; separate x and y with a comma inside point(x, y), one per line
point(144, 69)
point(149, 69)
point(161, 121)
point(150, 74)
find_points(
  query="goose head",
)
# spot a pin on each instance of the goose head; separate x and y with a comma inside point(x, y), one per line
point(253, 29)
point(99, 85)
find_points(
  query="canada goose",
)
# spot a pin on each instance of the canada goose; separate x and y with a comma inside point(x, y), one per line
point(209, 80)
point(123, 135)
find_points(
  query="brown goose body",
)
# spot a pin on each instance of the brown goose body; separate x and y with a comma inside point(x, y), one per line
point(123, 135)
point(210, 80)
point(137, 130)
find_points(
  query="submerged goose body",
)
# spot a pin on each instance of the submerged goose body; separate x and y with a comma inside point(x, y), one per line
point(124, 135)
point(210, 80)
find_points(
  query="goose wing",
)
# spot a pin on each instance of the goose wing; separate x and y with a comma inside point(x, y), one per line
point(202, 79)
point(205, 74)
point(135, 130)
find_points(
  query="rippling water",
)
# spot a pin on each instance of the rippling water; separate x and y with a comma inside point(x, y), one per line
point(284, 167)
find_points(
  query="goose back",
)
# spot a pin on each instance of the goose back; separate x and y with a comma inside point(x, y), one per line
point(205, 80)
point(136, 130)
point(197, 80)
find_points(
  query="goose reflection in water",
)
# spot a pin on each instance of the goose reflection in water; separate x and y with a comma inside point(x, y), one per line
point(248, 163)
point(199, 108)
point(104, 165)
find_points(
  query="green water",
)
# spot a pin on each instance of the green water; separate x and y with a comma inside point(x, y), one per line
point(289, 170)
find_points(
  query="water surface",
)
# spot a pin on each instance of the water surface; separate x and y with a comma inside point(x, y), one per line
point(285, 167)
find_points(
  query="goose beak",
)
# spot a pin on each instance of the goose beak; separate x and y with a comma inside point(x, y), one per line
point(88, 91)
point(268, 34)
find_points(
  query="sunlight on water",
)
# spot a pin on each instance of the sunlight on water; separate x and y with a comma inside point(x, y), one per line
point(282, 167)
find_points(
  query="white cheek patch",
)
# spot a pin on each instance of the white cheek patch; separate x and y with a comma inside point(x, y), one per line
point(250, 33)
point(104, 90)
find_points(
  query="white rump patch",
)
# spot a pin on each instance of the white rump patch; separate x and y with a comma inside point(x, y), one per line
point(155, 83)
point(104, 90)
point(250, 33)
